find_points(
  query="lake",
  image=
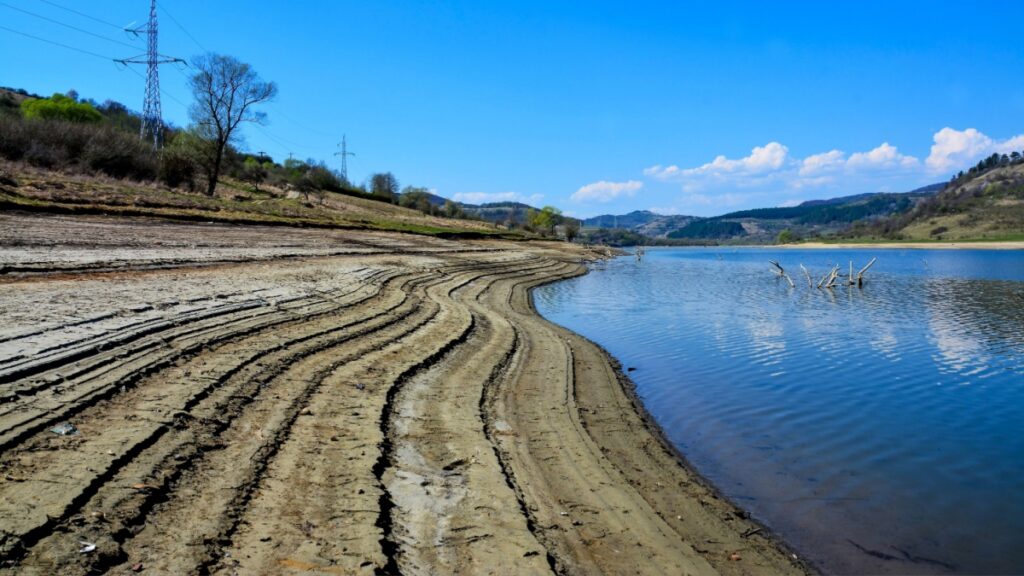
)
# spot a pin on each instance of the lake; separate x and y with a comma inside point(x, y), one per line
point(876, 429)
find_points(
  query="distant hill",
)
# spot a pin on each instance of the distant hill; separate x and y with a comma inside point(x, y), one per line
point(643, 222)
point(986, 203)
point(499, 212)
point(762, 225)
point(630, 220)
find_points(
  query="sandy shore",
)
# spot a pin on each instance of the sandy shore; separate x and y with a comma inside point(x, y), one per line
point(914, 245)
point(258, 400)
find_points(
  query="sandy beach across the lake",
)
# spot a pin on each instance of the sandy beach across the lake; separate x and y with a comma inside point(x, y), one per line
point(1002, 245)
point(187, 398)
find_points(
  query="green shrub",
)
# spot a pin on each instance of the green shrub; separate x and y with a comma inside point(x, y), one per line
point(60, 107)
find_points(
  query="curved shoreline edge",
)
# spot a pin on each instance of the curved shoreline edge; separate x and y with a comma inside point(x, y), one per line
point(778, 556)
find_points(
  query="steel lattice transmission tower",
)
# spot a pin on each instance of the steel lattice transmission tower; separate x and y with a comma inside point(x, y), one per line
point(344, 158)
point(152, 118)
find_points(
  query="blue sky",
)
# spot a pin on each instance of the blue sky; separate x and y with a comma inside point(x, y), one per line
point(594, 107)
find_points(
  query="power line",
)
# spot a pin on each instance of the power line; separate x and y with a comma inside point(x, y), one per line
point(178, 24)
point(279, 139)
point(59, 23)
point(56, 43)
point(82, 14)
point(300, 125)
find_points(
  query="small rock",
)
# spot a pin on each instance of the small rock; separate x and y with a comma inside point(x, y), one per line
point(735, 556)
point(138, 567)
point(265, 539)
point(64, 429)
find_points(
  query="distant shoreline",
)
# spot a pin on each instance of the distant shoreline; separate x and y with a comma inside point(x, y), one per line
point(996, 245)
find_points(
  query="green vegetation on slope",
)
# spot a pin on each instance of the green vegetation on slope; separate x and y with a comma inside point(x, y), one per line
point(984, 203)
point(711, 229)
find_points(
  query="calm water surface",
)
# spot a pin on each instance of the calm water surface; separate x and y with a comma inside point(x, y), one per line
point(879, 430)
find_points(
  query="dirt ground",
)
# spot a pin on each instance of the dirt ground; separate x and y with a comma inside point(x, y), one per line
point(180, 399)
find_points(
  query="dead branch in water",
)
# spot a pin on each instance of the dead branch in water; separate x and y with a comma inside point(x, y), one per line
point(808, 276)
point(782, 272)
point(829, 279)
point(860, 275)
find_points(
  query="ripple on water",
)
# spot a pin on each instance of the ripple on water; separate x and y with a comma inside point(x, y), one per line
point(888, 416)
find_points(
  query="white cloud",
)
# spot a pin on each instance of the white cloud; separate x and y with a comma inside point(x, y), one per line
point(886, 156)
point(1013, 144)
point(605, 191)
point(824, 162)
point(487, 197)
point(762, 159)
point(957, 149)
point(791, 203)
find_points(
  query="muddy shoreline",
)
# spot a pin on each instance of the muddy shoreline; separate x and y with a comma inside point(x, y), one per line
point(241, 399)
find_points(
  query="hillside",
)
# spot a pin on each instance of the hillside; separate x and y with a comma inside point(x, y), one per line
point(813, 218)
point(65, 154)
point(643, 222)
point(498, 212)
point(985, 204)
point(631, 220)
point(505, 213)
point(32, 189)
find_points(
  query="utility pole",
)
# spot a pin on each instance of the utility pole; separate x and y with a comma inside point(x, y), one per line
point(152, 121)
point(344, 158)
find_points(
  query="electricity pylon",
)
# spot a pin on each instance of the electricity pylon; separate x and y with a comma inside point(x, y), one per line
point(344, 158)
point(152, 120)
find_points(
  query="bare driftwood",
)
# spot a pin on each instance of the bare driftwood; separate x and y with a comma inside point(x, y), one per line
point(830, 279)
point(808, 276)
point(860, 275)
point(782, 272)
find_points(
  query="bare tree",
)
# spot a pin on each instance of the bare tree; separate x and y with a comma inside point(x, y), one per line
point(225, 90)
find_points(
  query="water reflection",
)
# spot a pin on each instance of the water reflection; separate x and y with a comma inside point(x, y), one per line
point(839, 417)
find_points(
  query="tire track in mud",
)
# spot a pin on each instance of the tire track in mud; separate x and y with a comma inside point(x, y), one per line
point(195, 399)
point(31, 413)
point(445, 510)
point(237, 509)
point(494, 428)
point(234, 368)
point(160, 430)
point(335, 539)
